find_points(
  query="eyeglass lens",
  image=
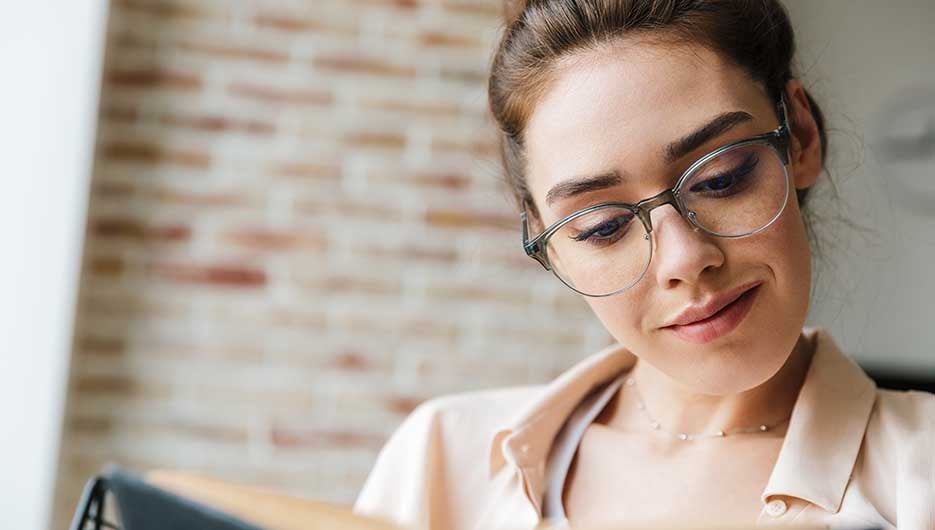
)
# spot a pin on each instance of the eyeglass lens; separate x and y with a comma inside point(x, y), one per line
point(736, 193)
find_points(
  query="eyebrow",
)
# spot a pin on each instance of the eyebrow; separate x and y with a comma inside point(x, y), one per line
point(578, 185)
point(672, 152)
point(714, 128)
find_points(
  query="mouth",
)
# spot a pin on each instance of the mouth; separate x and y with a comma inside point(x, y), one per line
point(720, 323)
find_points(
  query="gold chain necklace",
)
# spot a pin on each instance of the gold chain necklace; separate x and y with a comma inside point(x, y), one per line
point(684, 436)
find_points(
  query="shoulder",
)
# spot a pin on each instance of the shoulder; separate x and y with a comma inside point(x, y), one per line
point(896, 470)
point(900, 434)
point(482, 410)
point(444, 439)
point(460, 426)
point(901, 428)
point(901, 413)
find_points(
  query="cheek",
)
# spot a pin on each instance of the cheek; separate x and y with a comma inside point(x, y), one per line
point(622, 315)
point(784, 248)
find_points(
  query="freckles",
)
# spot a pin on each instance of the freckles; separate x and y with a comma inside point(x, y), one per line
point(623, 313)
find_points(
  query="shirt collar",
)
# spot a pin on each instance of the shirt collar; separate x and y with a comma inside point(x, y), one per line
point(525, 441)
point(818, 453)
point(826, 429)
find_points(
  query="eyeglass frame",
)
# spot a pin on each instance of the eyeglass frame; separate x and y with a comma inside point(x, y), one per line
point(778, 139)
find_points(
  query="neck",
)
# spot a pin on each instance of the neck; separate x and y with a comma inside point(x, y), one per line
point(680, 409)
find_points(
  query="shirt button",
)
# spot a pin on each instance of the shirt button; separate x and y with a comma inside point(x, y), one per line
point(776, 508)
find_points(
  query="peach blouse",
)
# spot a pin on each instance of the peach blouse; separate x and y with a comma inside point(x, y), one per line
point(853, 455)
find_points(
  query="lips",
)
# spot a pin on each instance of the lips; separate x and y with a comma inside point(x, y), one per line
point(699, 312)
point(721, 323)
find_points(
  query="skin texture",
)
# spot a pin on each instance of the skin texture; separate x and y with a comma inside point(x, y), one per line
point(615, 108)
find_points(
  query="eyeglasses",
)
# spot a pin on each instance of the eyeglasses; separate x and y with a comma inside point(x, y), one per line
point(734, 191)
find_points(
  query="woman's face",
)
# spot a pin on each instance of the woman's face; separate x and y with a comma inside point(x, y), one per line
point(616, 110)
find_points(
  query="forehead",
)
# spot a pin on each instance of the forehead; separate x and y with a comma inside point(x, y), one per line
point(618, 107)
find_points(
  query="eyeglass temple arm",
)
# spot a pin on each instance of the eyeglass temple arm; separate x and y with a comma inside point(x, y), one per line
point(533, 248)
point(522, 217)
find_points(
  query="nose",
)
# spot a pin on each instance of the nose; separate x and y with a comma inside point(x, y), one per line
point(682, 252)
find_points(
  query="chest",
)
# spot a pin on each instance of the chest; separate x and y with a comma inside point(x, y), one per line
point(617, 476)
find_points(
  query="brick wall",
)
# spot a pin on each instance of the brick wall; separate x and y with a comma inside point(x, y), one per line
point(297, 233)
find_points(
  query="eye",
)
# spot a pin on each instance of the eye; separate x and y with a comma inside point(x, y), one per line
point(728, 182)
point(606, 232)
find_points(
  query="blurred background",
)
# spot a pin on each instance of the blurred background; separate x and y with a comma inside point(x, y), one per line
point(247, 238)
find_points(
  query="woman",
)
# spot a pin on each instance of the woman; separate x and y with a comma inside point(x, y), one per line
point(662, 152)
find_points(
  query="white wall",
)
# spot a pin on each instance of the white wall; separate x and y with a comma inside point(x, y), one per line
point(51, 55)
point(871, 67)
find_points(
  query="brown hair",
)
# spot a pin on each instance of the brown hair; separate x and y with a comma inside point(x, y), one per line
point(755, 34)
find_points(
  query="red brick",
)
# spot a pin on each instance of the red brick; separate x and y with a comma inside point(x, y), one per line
point(275, 240)
point(100, 345)
point(435, 110)
point(438, 39)
point(120, 385)
point(153, 78)
point(185, 349)
point(199, 199)
point(355, 64)
point(169, 233)
point(218, 124)
point(119, 115)
point(314, 170)
point(156, 154)
point(405, 252)
point(403, 406)
point(162, 9)
point(466, 220)
point(308, 438)
point(106, 266)
point(477, 148)
point(473, 7)
point(479, 293)
point(380, 140)
point(336, 283)
point(269, 94)
point(218, 275)
point(294, 23)
point(214, 433)
point(463, 74)
point(450, 181)
point(351, 361)
point(128, 40)
point(110, 190)
point(398, 177)
point(291, 23)
point(231, 51)
point(124, 228)
point(518, 261)
point(90, 425)
point(425, 328)
point(400, 4)
point(344, 208)
point(294, 318)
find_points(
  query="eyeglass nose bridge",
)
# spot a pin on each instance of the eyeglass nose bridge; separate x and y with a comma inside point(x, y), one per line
point(646, 206)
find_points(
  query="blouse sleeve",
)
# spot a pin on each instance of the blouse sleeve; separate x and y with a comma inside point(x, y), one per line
point(402, 484)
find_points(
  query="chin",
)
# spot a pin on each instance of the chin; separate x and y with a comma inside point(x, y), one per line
point(734, 383)
point(738, 369)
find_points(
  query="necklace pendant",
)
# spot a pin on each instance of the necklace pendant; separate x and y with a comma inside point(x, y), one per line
point(684, 436)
